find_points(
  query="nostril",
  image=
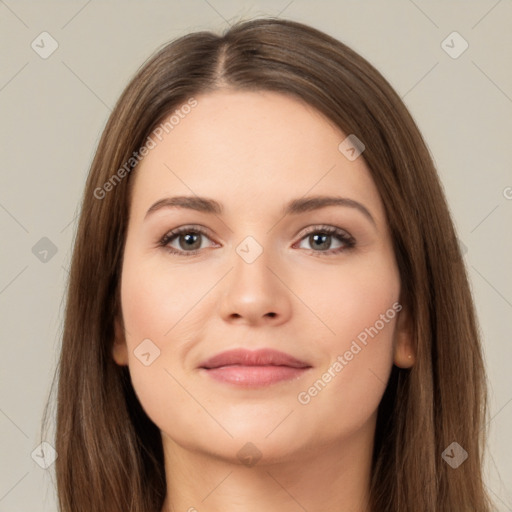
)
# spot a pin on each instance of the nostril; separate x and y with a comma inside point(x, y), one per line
point(271, 314)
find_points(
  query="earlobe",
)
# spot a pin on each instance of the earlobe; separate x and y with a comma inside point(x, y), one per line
point(403, 358)
point(404, 353)
point(119, 348)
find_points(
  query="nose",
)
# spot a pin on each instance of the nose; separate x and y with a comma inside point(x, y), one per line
point(254, 294)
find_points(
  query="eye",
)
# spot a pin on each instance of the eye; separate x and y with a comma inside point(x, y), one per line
point(326, 240)
point(186, 240)
point(322, 240)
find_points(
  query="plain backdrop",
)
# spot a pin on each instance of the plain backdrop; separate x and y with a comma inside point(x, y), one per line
point(53, 110)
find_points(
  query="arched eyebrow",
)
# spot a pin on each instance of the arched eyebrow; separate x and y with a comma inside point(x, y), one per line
point(307, 204)
point(294, 207)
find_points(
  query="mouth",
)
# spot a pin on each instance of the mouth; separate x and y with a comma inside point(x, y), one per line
point(259, 368)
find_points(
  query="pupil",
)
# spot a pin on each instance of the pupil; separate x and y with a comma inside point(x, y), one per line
point(321, 241)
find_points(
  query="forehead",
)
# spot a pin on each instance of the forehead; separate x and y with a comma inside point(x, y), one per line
point(256, 148)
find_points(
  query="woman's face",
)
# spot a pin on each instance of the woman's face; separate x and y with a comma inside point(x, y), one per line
point(269, 257)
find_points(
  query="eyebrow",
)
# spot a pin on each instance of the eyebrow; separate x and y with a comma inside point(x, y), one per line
point(294, 207)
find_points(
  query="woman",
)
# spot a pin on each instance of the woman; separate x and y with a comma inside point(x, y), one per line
point(267, 305)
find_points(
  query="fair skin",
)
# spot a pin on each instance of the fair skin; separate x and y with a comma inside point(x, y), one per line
point(254, 152)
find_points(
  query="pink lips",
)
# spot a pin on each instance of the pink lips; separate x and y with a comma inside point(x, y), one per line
point(256, 368)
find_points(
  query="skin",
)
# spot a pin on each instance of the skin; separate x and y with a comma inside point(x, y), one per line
point(253, 152)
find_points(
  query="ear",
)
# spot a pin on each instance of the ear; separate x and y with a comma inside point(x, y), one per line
point(119, 347)
point(404, 353)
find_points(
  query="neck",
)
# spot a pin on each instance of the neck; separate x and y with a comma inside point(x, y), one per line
point(332, 477)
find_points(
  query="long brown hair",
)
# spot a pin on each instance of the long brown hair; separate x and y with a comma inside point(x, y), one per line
point(110, 454)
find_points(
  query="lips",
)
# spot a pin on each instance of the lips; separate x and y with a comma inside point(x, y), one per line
point(253, 369)
point(262, 357)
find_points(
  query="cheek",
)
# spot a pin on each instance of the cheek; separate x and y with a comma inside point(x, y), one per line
point(352, 298)
point(158, 312)
point(360, 309)
point(156, 297)
point(151, 308)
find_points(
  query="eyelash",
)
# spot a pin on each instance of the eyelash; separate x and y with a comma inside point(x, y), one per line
point(342, 236)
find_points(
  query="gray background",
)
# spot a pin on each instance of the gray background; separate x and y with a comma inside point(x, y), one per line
point(53, 110)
